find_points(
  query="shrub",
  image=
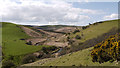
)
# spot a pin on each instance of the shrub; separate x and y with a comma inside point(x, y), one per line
point(64, 51)
point(52, 48)
point(28, 58)
point(107, 50)
point(49, 49)
point(70, 41)
point(44, 49)
point(100, 22)
point(10, 57)
point(8, 64)
point(84, 27)
point(95, 23)
point(29, 43)
point(22, 39)
point(77, 37)
point(41, 54)
point(89, 23)
point(46, 56)
point(76, 31)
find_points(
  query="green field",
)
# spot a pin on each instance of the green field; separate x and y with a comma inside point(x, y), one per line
point(12, 45)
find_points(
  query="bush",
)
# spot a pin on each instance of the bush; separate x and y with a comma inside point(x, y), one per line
point(64, 51)
point(41, 54)
point(84, 27)
point(46, 56)
point(52, 48)
point(76, 31)
point(10, 57)
point(95, 23)
point(29, 43)
point(89, 23)
point(28, 58)
point(48, 49)
point(100, 22)
point(107, 50)
point(70, 41)
point(77, 37)
point(44, 49)
point(22, 39)
point(8, 64)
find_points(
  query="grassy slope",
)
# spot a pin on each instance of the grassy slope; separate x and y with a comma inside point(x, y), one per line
point(83, 57)
point(96, 30)
point(77, 59)
point(12, 45)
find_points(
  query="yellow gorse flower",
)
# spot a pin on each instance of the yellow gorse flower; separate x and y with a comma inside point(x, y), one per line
point(108, 48)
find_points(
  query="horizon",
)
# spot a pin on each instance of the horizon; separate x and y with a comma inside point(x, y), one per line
point(58, 24)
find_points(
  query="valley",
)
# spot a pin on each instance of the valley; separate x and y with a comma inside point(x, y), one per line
point(54, 45)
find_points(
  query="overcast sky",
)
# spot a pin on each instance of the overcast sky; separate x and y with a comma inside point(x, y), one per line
point(57, 12)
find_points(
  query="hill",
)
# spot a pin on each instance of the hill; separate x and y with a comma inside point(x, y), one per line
point(80, 58)
point(12, 43)
point(95, 32)
point(19, 41)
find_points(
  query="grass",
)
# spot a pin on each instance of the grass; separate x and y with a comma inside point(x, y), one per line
point(11, 43)
point(83, 57)
point(96, 30)
point(78, 58)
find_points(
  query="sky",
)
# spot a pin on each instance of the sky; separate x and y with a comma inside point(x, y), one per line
point(58, 12)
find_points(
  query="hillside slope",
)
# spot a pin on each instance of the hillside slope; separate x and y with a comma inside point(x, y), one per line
point(96, 30)
point(12, 43)
point(82, 57)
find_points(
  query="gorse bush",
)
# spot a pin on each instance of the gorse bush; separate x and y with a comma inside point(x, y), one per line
point(108, 50)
